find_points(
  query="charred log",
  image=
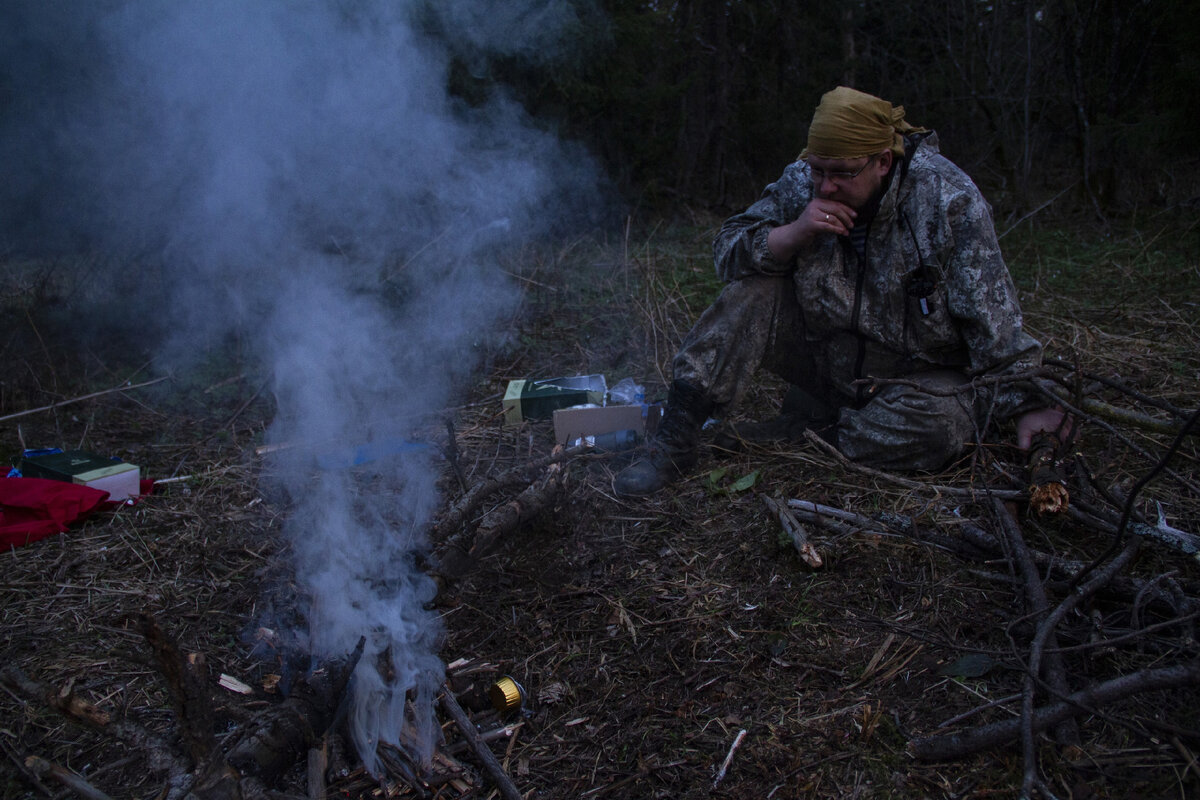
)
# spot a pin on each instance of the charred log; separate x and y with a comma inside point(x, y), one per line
point(287, 731)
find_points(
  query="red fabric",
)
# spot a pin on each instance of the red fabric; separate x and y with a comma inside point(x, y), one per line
point(34, 508)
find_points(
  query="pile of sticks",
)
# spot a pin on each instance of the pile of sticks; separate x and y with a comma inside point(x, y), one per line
point(302, 728)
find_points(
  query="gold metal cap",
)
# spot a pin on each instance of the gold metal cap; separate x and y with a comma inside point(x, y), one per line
point(506, 694)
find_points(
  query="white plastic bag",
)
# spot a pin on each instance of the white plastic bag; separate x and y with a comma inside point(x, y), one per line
point(627, 393)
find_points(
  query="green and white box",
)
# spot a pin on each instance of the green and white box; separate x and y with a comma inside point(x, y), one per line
point(529, 399)
point(119, 478)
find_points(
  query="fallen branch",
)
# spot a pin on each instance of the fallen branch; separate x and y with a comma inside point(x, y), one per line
point(1046, 633)
point(1109, 522)
point(840, 515)
point(65, 702)
point(503, 732)
point(461, 552)
point(76, 783)
point(843, 523)
point(18, 762)
point(467, 728)
point(187, 682)
point(1125, 416)
point(456, 516)
point(1066, 732)
point(160, 756)
point(957, 745)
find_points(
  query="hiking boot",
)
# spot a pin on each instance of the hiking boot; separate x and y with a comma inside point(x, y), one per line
point(674, 448)
point(800, 412)
point(784, 428)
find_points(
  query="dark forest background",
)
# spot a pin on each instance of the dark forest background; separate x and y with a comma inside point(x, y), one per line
point(1069, 106)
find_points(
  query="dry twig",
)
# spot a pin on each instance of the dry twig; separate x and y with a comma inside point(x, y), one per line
point(467, 728)
point(737, 742)
point(81, 398)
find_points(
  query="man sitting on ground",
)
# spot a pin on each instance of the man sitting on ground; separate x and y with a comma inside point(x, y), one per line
point(872, 257)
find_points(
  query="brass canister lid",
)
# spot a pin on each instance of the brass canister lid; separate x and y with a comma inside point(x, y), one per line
point(506, 694)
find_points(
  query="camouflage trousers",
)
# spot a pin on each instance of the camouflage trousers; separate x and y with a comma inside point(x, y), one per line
point(756, 322)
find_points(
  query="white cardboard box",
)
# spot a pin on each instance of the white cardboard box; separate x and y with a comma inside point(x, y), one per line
point(574, 423)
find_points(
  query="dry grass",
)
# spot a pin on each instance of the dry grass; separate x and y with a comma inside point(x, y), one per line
point(647, 634)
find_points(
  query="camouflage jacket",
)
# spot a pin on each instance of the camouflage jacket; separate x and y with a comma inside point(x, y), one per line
point(933, 291)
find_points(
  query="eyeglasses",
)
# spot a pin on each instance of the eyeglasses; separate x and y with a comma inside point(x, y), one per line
point(819, 175)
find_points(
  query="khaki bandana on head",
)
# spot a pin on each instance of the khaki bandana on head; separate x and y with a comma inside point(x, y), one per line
point(852, 124)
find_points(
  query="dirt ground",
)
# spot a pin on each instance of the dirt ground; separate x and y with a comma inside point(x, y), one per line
point(674, 647)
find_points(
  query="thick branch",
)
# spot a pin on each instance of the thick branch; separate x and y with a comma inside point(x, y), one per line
point(1119, 386)
point(463, 550)
point(1126, 416)
point(957, 745)
point(43, 769)
point(1035, 592)
point(160, 755)
point(523, 475)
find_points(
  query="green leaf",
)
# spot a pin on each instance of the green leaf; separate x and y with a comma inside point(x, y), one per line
point(713, 482)
point(745, 482)
point(974, 665)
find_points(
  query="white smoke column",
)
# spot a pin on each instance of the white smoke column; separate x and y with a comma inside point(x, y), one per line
point(339, 384)
point(288, 161)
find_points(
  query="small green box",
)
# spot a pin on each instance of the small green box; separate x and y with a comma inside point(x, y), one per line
point(526, 399)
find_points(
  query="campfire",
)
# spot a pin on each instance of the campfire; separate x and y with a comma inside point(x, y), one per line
point(479, 708)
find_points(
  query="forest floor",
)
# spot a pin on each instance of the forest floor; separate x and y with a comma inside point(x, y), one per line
point(673, 647)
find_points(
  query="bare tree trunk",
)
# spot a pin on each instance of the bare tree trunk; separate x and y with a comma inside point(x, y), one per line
point(849, 48)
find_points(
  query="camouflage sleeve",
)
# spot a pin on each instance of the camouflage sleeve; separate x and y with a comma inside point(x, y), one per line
point(982, 297)
point(740, 248)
